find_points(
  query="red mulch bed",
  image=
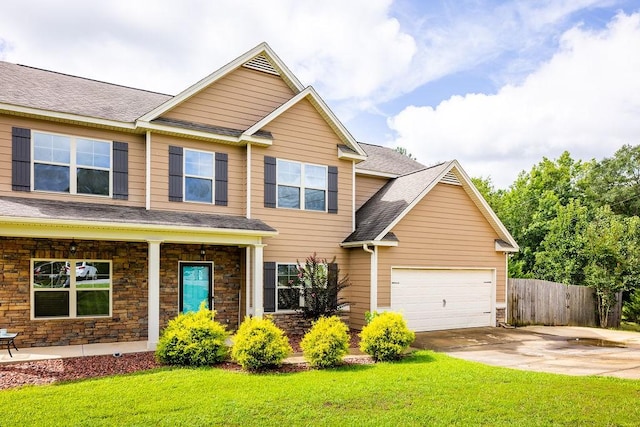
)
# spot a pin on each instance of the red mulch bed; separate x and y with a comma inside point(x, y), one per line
point(76, 368)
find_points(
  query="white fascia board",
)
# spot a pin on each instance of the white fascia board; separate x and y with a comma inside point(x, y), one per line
point(262, 48)
point(369, 243)
point(322, 108)
point(65, 117)
point(502, 248)
point(290, 78)
point(350, 156)
point(90, 230)
point(275, 113)
point(367, 172)
point(485, 208)
point(477, 198)
point(415, 202)
point(334, 119)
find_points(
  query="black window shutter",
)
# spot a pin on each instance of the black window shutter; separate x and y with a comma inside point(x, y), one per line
point(332, 204)
point(269, 290)
point(120, 170)
point(175, 174)
point(269, 182)
point(332, 278)
point(221, 178)
point(20, 159)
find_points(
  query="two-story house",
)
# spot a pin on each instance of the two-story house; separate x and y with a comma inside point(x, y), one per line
point(120, 208)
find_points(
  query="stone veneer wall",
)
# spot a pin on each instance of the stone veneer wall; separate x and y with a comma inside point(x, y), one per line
point(129, 287)
point(501, 315)
point(227, 280)
point(295, 324)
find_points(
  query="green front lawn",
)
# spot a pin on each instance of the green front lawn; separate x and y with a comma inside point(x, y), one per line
point(425, 389)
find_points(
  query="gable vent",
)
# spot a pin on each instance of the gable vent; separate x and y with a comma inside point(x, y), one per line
point(450, 178)
point(261, 63)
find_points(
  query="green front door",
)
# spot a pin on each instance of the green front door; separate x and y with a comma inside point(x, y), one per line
point(196, 286)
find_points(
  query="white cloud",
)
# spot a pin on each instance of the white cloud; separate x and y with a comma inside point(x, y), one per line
point(346, 49)
point(586, 100)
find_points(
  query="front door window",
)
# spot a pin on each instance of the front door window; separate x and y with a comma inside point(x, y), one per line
point(196, 286)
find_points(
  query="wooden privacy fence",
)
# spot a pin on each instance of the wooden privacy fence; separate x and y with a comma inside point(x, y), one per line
point(538, 302)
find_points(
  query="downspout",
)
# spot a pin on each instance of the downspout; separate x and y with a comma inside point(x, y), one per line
point(248, 187)
point(373, 296)
point(148, 171)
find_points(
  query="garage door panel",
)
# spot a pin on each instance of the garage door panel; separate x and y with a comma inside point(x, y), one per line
point(442, 299)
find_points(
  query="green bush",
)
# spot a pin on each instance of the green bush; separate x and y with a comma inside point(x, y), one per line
point(386, 337)
point(326, 342)
point(259, 344)
point(193, 339)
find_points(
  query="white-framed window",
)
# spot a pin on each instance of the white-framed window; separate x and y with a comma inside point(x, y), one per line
point(301, 186)
point(287, 287)
point(70, 164)
point(69, 289)
point(199, 176)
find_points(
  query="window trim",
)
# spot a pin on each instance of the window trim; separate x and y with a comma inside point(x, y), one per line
point(185, 175)
point(278, 287)
point(72, 289)
point(72, 165)
point(302, 186)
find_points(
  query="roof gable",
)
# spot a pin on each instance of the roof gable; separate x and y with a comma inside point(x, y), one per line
point(236, 100)
point(380, 214)
point(321, 107)
point(261, 58)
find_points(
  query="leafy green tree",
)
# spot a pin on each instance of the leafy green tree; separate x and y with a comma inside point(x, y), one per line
point(615, 181)
point(594, 248)
point(613, 254)
point(533, 200)
point(492, 195)
point(561, 256)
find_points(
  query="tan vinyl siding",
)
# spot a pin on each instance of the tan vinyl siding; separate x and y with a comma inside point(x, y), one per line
point(136, 159)
point(367, 186)
point(236, 101)
point(445, 229)
point(160, 176)
point(301, 134)
point(358, 294)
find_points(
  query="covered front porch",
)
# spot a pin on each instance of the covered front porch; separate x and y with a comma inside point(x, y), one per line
point(140, 258)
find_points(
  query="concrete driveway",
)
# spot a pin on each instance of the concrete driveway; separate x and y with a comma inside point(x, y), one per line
point(566, 350)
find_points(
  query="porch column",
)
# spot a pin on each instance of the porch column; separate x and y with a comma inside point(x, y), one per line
point(153, 331)
point(257, 279)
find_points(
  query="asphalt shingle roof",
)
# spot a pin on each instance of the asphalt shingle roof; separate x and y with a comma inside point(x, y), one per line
point(47, 90)
point(390, 201)
point(387, 160)
point(18, 207)
point(218, 130)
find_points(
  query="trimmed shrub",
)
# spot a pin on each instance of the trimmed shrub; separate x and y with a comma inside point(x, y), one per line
point(193, 339)
point(259, 344)
point(386, 337)
point(326, 342)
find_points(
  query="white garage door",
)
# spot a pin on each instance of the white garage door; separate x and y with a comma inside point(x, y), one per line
point(442, 299)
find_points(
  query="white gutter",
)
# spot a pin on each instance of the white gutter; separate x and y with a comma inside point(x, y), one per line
point(373, 296)
point(248, 189)
point(147, 187)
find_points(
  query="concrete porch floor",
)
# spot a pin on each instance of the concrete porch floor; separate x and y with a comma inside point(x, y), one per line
point(31, 354)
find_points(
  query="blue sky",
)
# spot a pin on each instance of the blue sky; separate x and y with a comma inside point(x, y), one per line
point(496, 85)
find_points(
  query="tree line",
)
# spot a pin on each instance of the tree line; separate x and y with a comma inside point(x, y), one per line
point(577, 222)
